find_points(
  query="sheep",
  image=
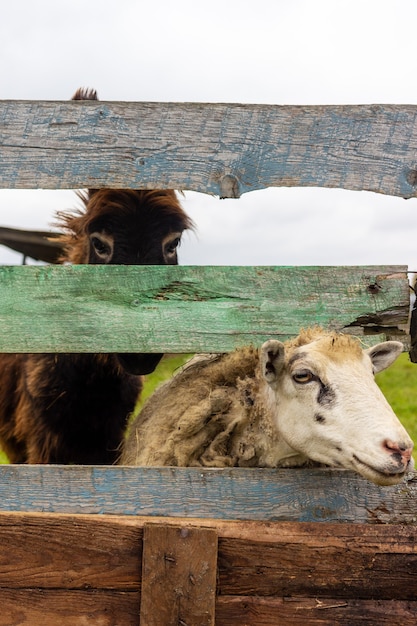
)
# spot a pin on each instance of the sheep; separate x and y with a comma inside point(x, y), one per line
point(310, 400)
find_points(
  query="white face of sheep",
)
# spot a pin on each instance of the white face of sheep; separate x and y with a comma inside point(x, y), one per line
point(329, 408)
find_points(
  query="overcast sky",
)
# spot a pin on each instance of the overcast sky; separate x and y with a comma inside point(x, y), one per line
point(267, 52)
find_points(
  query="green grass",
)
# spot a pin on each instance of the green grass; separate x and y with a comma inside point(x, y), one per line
point(398, 383)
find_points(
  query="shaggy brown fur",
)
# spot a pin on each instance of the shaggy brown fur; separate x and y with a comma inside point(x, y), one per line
point(192, 419)
point(72, 408)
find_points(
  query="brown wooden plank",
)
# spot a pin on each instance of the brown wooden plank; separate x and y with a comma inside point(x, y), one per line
point(178, 576)
point(39, 607)
point(247, 611)
point(335, 560)
point(69, 553)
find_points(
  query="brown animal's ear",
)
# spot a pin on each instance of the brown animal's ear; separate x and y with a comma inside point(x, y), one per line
point(85, 93)
point(272, 360)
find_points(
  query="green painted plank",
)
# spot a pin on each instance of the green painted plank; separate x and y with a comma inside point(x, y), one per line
point(303, 495)
point(188, 309)
point(225, 149)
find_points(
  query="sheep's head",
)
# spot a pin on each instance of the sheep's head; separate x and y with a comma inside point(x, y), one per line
point(328, 407)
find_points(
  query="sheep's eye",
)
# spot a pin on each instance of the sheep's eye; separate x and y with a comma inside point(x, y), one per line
point(171, 246)
point(303, 376)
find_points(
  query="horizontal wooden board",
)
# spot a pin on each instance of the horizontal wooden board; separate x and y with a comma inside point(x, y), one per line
point(33, 607)
point(191, 309)
point(328, 560)
point(234, 493)
point(224, 149)
point(313, 612)
point(51, 552)
point(29, 607)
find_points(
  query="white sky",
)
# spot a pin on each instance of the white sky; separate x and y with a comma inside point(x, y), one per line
point(269, 52)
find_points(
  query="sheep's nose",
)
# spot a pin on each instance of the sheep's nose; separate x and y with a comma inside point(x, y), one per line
point(400, 451)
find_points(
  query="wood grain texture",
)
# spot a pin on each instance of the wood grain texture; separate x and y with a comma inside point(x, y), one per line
point(252, 611)
point(268, 572)
point(40, 607)
point(191, 309)
point(68, 552)
point(329, 560)
point(238, 493)
point(224, 149)
point(179, 571)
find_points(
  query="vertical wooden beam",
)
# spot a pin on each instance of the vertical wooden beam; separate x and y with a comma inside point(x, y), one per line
point(179, 570)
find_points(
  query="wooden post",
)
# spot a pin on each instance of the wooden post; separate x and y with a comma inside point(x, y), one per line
point(179, 570)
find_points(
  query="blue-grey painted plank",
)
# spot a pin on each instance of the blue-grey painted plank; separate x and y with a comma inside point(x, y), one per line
point(243, 494)
point(224, 149)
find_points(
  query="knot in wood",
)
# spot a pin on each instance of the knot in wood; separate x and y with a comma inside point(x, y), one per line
point(229, 186)
point(374, 288)
point(412, 177)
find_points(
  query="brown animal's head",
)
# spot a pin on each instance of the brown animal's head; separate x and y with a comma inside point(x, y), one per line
point(125, 227)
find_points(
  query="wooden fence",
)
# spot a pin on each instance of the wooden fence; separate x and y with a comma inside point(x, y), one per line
point(185, 546)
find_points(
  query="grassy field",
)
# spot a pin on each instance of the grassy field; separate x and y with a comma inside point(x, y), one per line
point(398, 383)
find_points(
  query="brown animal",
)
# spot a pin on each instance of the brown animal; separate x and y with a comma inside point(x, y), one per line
point(72, 408)
point(312, 399)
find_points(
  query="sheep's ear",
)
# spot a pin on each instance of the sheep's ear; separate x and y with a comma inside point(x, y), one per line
point(272, 360)
point(383, 354)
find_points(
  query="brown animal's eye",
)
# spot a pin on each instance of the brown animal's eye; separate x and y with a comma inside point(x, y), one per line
point(171, 246)
point(303, 376)
point(101, 247)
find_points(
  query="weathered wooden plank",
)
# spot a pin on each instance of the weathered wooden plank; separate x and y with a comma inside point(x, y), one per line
point(233, 493)
point(252, 611)
point(52, 552)
point(179, 570)
point(191, 309)
point(225, 149)
point(254, 558)
point(30, 607)
point(322, 560)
